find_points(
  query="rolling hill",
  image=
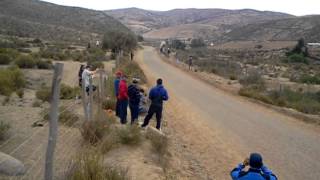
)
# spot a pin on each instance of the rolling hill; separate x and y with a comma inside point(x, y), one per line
point(34, 18)
point(307, 27)
point(188, 23)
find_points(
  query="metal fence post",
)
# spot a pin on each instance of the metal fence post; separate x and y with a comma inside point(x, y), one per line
point(53, 123)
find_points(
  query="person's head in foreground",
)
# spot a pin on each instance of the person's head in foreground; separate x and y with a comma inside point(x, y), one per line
point(159, 81)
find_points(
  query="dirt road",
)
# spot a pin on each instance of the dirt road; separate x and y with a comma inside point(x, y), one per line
point(225, 128)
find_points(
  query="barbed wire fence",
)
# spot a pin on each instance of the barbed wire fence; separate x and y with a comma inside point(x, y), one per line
point(47, 143)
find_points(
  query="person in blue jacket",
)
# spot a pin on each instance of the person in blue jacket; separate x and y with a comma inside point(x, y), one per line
point(116, 90)
point(257, 170)
point(134, 100)
point(157, 95)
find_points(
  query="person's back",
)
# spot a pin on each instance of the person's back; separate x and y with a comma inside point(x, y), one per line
point(134, 94)
point(157, 95)
point(123, 90)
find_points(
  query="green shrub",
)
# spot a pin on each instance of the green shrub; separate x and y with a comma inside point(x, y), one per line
point(308, 79)
point(11, 80)
point(41, 64)
point(25, 61)
point(195, 43)
point(130, 135)
point(254, 93)
point(96, 64)
point(44, 94)
point(132, 69)
point(4, 128)
point(296, 58)
point(67, 92)
point(20, 93)
point(233, 77)
point(4, 59)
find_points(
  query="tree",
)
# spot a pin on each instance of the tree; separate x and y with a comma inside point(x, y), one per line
point(118, 40)
point(198, 42)
point(177, 44)
point(300, 48)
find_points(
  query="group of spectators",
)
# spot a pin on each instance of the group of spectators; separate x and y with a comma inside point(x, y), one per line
point(134, 97)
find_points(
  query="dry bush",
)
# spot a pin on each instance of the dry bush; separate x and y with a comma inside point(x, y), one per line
point(130, 135)
point(4, 128)
point(109, 104)
point(66, 116)
point(44, 94)
point(109, 142)
point(89, 166)
point(160, 144)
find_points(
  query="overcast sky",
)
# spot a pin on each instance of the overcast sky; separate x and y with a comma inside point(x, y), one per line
point(295, 7)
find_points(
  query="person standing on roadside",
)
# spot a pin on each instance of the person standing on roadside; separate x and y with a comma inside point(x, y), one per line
point(157, 95)
point(123, 99)
point(86, 75)
point(190, 62)
point(134, 100)
point(82, 67)
point(257, 170)
point(116, 90)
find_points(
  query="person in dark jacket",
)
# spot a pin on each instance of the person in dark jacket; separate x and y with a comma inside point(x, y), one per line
point(134, 100)
point(257, 170)
point(116, 90)
point(82, 67)
point(157, 95)
point(123, 99)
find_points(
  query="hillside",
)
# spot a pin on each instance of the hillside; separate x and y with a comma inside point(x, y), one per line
point(34, 18)
point(307, 27)
point(212, 22)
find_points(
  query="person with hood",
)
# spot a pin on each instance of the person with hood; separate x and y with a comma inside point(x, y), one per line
point(257, 170)
point(134, 99)
point(116, 90)
point(123, 99)
point(157, 95)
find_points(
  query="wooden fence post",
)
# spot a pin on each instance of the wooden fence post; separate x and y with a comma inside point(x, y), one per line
point(84, 101)
point(90, 105)
point(53, 122)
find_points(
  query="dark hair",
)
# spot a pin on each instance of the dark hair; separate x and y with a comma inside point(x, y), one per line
point(159, 82)
point(255, 160)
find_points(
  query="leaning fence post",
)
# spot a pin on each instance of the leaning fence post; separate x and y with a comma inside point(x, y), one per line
point(84, 100)
point(53, 123)
point(90, 105)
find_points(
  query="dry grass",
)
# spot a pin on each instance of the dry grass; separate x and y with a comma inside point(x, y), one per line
point(130, 135)
point(89, 166)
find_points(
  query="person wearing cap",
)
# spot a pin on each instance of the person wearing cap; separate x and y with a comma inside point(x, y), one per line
point(157, 95)
point(123, 99)
point(134, 99)
point(116, 90)
point(257, 170)
point(86, 75)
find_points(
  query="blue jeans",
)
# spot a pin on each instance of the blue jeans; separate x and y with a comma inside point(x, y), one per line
point(134, 109)
point(123, 104)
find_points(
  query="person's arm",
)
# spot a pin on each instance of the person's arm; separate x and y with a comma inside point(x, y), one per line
point(269, 173)
point(236, 171)
point(151, 94)
point(165, 95)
